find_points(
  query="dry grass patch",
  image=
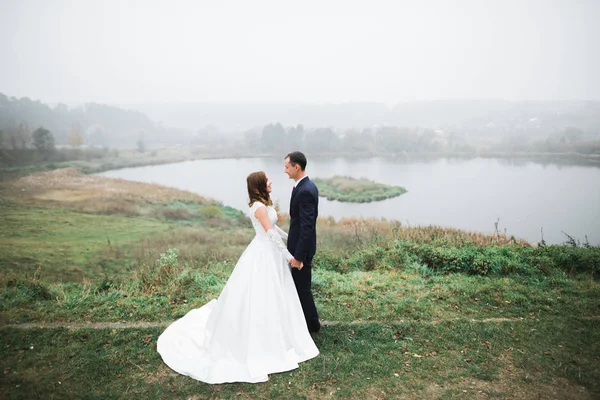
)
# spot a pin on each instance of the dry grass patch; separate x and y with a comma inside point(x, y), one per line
point(69, 185)
point(67, 195)
point(176, 213)
point(347, 233)
point(195, 245)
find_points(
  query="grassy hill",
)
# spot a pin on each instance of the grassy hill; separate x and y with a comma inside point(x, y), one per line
point(92, 269)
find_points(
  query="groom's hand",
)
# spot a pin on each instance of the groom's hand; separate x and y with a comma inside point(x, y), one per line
point(296, 264)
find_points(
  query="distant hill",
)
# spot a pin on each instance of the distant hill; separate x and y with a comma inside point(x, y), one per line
point(209, 123)
point(95, 124)
point(499, 115)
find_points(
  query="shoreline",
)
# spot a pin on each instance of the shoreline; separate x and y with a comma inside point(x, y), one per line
point(542, 158)
point(133, 159)
point(168, 156)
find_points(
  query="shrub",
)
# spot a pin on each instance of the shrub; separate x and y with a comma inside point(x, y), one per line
point(491, 260)
point(367, 259)
point(327, 260)
point(211, 211)
point(569, 259)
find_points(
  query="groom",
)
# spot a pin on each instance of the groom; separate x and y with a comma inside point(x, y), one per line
point(302, 238)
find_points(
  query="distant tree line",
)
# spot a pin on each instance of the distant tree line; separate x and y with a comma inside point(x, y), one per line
point(379, 140)
point(274, 138)
point(89, 125)
point(31, 131)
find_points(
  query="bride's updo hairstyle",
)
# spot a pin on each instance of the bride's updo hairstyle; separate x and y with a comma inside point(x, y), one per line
point(257, 188)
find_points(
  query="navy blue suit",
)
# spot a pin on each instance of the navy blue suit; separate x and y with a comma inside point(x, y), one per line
point(302, 243)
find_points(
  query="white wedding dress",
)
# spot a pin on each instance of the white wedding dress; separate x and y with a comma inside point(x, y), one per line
point(255, 327)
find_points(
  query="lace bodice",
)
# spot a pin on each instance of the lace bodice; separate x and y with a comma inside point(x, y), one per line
point(275, 234)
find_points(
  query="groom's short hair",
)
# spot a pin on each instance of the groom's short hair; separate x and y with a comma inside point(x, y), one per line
point(297, 157)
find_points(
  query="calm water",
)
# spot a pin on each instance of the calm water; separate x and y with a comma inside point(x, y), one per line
point(473, 194)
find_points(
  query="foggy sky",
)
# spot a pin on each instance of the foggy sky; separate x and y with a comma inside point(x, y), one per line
point(313, 51)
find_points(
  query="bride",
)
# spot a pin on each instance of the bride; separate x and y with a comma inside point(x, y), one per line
point(256, 326)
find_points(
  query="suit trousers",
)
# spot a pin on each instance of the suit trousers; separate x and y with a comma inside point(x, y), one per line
point(302, 279)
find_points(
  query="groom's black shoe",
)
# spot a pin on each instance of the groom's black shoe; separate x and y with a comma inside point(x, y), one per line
point(315, 327)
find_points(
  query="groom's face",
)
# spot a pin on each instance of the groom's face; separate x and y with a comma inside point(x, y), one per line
point(291, 170)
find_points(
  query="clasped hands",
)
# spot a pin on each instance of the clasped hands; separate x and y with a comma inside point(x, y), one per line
point(296, 264)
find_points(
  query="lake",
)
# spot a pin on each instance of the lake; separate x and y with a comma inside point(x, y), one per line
point(524, 197)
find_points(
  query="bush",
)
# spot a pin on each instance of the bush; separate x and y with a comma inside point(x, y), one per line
point(569, 259)
point(327, 261)
point(492, 260)
point(211, 211)
point(367, 259)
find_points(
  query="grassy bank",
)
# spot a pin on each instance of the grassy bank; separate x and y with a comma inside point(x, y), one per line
point(352, 190)
point(97, 160)
point(415, 312)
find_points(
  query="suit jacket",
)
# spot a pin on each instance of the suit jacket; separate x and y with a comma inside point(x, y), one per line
point(302, 238)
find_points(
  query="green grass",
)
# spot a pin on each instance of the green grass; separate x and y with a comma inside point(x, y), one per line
point(417, 312)
point(453, 359)
point(65, 244)
point(68, 245)
point(53, 240)
point(345, 297)
point(348, 189)
point(47, 251)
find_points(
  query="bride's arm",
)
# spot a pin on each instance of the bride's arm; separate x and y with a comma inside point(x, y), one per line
point(263, 217)
point(281, 232)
